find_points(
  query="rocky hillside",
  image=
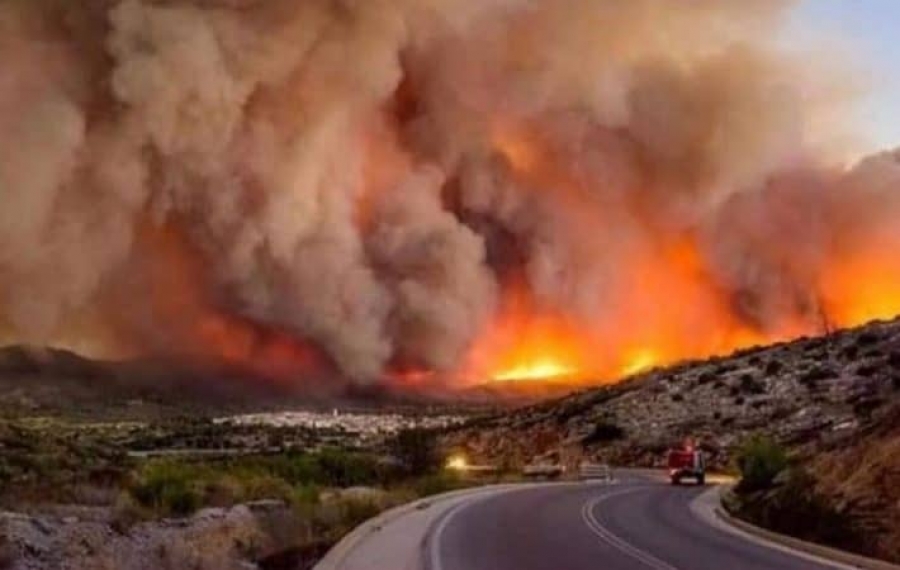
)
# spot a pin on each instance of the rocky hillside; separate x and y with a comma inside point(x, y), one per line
point(806, 392)
point(254, 535)
point(833, 400)
point(861, 476)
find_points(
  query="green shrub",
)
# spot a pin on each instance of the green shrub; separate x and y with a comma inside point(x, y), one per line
point(267, 487)
point(297, 468)
point(126, 513)
point(168, 488)
point(416, 450)
point(178, 487)
point(437, 483)
point(354, 512)
point(760, 459)
point(223, 491)
point(345, 469)
point(796, 509)
point(305, 497)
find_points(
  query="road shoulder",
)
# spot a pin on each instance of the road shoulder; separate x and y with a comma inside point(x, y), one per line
point(394, 539)
point(708, 507)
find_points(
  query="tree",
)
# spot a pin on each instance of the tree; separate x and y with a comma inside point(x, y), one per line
point(416, 450)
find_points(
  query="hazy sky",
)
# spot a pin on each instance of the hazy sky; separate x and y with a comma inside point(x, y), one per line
point(871, 29)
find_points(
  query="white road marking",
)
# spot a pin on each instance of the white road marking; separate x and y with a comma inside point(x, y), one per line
point(433, 561)
point(615, 541)
point(434, 552)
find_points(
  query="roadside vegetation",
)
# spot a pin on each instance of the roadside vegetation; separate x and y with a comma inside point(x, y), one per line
point(760, 460)
point(326, 490)
point(775, 493)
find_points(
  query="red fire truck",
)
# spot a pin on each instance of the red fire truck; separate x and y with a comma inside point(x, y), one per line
point(686, 462)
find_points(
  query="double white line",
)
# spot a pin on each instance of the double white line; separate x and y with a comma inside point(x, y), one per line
point(587, 514)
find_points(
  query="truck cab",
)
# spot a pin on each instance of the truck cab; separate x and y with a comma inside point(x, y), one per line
point(686, 462)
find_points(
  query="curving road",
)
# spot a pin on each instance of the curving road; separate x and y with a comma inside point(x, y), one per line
point(637, 524)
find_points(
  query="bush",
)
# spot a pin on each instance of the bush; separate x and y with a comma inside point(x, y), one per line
point(174, 487)
point(750, 385)
point(306, 494)
point(796, 509)
point(894, 359)
point(760, 459)
point(437, 483)
point(329, 467)
point(773, 367)
point(867, 338)
point(867, 370)
point(267, 487)
point(125, 514)
point(818, 373)
point(167, 488)
point(603, 432)
point(345, 469)
point(705, 378)
point(356, 511)
point(416, 450)
point(294, 467)
point(335, 518)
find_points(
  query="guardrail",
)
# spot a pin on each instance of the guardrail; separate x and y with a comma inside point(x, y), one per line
point(595, 471)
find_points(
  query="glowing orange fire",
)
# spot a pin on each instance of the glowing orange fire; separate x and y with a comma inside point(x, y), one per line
point(670, 312)
point(667, 306)
point(863, 287)
point(541, 367)
point(639, 361)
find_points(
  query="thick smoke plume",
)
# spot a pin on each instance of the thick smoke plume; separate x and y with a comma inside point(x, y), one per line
point(406, 187)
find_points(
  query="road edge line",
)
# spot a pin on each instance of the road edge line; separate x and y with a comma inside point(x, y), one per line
point(811, 548)
point(431, 542)
point(338, 553)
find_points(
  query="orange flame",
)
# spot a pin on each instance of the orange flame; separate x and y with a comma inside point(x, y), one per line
point(668, 306)
point(525, 343)
point(671, 312)
point(862, 287)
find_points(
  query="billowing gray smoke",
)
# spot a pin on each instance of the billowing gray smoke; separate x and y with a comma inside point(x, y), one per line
point(370, 174)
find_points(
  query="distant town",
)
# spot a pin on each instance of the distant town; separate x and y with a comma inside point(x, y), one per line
point(364, 425)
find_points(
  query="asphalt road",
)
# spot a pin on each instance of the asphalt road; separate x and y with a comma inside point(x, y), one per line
point(636, 524)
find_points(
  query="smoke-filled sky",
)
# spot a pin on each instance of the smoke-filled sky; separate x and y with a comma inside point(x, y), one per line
point(433, 191)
